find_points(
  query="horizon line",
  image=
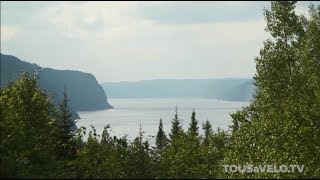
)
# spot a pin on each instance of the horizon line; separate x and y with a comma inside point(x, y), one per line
point(176, 79)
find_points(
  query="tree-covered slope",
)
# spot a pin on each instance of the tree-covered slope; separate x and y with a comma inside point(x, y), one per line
point(84, 91)
point(224, 89)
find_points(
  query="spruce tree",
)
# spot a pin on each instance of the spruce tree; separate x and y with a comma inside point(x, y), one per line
point(193, 129)
point(207, 131)
point(161, 137)
point(139, 160)
point(176, 128)
point(65, 125)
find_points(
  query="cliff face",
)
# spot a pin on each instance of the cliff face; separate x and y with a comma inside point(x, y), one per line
point(83, 89)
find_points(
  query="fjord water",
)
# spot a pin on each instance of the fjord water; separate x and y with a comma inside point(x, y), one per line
point(128, 114)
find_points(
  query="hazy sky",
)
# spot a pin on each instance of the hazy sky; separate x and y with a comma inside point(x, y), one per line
point(129, 41)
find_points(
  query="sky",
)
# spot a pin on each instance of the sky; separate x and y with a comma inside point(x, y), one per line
point(130, 41)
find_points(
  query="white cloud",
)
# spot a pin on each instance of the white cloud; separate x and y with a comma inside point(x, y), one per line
point(116, 23)
point(72, 18)
point(154, 3)
point(7, 32)
point(105, 39)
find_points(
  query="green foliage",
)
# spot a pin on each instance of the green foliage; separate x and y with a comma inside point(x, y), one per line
point(176, 128)
point(27, 118)
point(281, 125)
point(41, 144)
point(139, 165)
point(207, 132)
point(66, 145)
point(193, 129)
point(161, 139)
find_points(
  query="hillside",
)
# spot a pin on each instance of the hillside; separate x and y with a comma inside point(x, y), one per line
point(83, 89)
point(224, 89)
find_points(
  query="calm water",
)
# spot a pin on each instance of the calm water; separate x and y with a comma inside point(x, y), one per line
point(127, 115)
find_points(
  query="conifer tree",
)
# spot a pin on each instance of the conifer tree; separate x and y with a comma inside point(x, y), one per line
point(176, 128)
point(161, 137)
point(207, 131)
point(193, 128)
point(65, 124)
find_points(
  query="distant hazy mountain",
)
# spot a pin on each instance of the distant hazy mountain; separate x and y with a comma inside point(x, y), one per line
point(83, 89)
point(224, 89)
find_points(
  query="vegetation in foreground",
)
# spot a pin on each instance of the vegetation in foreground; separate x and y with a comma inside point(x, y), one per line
point(280, 126)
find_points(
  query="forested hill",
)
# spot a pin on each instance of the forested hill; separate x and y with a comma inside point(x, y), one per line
point(83, 89)
point(230, 89)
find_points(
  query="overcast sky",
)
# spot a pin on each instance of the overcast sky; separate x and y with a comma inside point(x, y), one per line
point(128, 41)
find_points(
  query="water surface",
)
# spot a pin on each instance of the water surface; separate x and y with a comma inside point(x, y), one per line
point(128, 114)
